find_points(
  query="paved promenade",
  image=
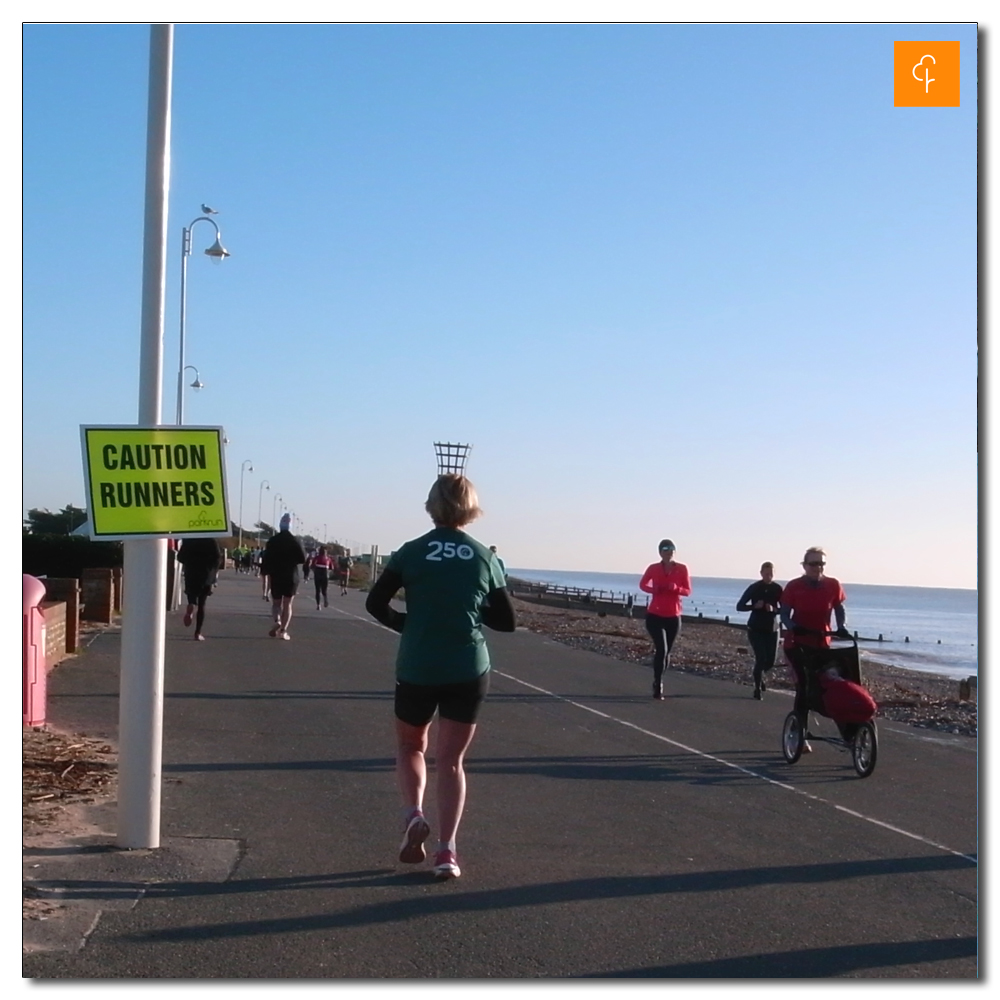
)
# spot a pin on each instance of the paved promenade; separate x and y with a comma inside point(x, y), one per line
point(606, 835)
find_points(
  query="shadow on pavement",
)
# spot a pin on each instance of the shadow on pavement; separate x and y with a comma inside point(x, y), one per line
point(453, 900)
point(810, 963)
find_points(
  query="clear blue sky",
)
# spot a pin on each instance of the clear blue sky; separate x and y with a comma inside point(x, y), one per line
point(703, 282)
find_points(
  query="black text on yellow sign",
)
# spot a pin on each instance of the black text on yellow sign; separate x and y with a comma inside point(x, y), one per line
point(155, 481)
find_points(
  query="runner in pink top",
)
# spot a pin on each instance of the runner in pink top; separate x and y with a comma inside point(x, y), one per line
point(668, 582)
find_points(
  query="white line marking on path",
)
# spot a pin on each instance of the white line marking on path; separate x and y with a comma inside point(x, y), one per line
point(711, 757)
point(743, 770)
point(368, 620)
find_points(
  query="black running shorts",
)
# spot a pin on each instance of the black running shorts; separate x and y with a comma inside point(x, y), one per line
point(416, 703)
point(283, 585)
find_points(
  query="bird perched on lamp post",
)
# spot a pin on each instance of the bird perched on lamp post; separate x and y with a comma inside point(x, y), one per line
point(208, 211)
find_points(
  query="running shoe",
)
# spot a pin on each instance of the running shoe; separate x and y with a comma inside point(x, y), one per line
point(200, 638)
point(275, 632)
point(284, 635)
point(446, 865)
point(757, 693)
point(806, 748)
point(411, 850)
point(187, 618)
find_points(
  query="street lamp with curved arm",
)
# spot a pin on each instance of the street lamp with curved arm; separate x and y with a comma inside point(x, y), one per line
point(265, 485)
point(218, 253)
point(249, 462)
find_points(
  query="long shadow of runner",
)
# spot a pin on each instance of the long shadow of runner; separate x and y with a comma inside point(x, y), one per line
point(809, 963)
point(450, 901)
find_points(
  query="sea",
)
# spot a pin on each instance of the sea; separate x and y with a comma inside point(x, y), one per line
point(930, 629)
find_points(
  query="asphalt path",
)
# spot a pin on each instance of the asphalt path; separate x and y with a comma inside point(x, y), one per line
point(606, 834)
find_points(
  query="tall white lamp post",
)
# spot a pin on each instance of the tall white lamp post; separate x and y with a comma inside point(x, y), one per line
point(140, 701)
point(265, 485)
point(274, 512)
point(246, 462)
point(218, 253)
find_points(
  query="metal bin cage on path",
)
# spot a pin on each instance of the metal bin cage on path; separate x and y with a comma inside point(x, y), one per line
point(451, 458)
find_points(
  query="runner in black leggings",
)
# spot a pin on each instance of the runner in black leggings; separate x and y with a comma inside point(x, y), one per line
point(321, 565)
point(668, 582)
point(663, 632)
point(202, 559)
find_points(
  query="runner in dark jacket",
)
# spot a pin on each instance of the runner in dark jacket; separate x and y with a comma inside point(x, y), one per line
point(761, 600)
point(202, 558)
point(283, 555)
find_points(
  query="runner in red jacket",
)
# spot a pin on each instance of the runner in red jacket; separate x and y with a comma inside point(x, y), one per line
point(668, 582)
point(806, 606)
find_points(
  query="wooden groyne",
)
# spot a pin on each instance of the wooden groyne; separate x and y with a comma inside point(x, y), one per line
point(609, 602)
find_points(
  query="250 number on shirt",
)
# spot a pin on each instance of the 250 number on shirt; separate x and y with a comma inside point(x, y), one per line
point(448, 550)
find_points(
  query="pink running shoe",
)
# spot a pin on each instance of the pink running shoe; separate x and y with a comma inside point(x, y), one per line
point(411, 850)
point(446, 865)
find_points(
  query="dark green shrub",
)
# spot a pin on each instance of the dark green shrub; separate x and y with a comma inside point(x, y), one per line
point(66, 555)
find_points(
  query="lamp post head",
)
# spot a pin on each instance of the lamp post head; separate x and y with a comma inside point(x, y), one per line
point(217, 251)
point(197, 383)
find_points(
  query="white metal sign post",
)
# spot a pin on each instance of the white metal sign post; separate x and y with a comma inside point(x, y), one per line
point(140, 720)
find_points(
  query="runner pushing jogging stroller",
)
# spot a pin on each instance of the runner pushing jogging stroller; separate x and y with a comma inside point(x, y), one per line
point(830, 685)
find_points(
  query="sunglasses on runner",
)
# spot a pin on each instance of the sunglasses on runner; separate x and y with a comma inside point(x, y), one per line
point(814, 564)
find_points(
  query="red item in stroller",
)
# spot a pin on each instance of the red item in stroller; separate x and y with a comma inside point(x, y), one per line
point(846, 702)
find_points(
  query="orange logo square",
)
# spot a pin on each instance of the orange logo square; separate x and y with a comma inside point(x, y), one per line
point(926, 75)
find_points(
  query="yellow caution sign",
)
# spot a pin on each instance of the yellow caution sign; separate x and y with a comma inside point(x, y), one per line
point(154, 482)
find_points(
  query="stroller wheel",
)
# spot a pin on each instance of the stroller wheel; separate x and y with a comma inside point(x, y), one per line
point(864, 749)
point(792, 738)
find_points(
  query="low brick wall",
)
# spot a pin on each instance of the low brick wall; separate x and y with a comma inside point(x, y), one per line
point(98, 593)
point(54, 615)
point(67, 589)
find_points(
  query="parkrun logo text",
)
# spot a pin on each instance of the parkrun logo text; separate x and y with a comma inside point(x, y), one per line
point(926, 74)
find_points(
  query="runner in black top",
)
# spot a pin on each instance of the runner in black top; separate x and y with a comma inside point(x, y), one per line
point(202, 558)
point(761, 600)
point(283, 555)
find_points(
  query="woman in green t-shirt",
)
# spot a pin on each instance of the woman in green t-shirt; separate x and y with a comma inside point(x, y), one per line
point(453, 586)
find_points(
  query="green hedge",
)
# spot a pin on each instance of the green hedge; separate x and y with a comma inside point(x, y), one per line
point(66, 555)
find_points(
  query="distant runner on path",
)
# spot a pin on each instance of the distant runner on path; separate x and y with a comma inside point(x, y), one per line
point(761, 600)
point(321, 566)
point(500, 562)
point(344, 564)
point(453, 586)
point(202, 558)
point(668, 582)
point(283, 555)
